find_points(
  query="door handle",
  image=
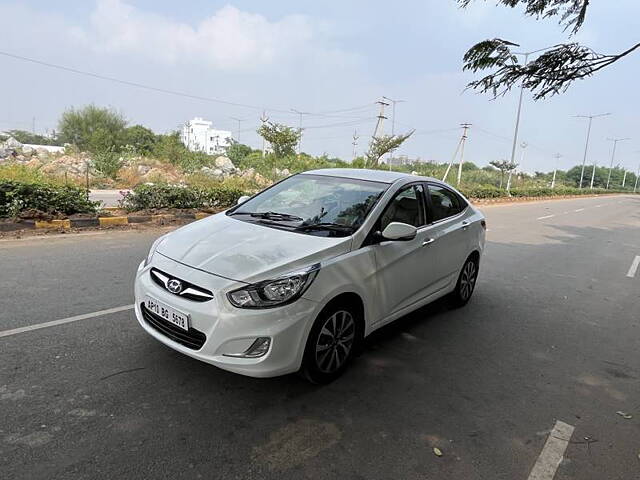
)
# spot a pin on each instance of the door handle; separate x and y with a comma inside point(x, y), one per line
point(428, 241)
point(465, 225)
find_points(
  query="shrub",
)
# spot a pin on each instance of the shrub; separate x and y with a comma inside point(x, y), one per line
point(16, 197)
point(23, 174)
point(107, 162)
point(145, 197)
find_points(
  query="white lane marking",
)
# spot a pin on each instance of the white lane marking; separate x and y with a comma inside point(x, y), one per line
point(598, 206)
point(552, 453)
point(579, 210)
point(634, 267)
point(62, 321)
point(546, 216)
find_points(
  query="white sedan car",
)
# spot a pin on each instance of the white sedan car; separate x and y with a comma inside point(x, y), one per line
point(295, 277)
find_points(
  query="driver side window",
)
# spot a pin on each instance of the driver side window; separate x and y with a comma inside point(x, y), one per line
point(406, 207)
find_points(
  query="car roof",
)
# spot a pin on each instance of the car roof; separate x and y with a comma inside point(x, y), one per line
point(385, 176)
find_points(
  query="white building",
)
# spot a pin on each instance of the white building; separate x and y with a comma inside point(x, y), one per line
point(198, 135)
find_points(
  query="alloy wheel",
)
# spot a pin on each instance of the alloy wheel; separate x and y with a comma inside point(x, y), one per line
point(335, 341)
point(468, 280)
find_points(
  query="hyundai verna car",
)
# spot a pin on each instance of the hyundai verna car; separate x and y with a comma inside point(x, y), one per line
point(295, 277)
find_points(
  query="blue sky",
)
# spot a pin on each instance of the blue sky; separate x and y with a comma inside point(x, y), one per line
point(316, 57)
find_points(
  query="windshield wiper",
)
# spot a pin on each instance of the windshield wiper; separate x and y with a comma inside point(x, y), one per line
point(271, 216)
point(333, 227)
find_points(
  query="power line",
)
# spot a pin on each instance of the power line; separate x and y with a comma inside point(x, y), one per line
point(160, 89)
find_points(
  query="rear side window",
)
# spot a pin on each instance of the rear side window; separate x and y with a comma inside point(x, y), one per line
point(406, 207)
point(443, 203)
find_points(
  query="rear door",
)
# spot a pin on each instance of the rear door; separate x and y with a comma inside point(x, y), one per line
point(447, 214)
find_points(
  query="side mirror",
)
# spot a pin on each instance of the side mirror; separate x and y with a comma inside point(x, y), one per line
point(399, 231)
point(243, 199)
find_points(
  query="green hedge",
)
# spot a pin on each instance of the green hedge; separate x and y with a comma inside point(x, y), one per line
point(144, 197)
point(489, 191)
point(16, 197)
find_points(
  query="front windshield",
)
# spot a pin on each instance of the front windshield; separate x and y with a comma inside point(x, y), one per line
point(315, 200)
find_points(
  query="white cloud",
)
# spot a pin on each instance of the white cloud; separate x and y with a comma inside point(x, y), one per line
point(228, 40)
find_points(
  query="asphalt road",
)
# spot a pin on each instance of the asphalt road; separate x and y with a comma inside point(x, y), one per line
point(109, 198)
point(552, 333)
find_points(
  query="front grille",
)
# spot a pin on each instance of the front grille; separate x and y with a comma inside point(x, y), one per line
point(193, 339)
point(188, 290)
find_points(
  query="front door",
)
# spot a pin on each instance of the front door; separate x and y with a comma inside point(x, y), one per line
point(404, 267)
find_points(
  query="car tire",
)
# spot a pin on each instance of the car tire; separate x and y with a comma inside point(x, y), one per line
point(466, 282)
point(332, 343)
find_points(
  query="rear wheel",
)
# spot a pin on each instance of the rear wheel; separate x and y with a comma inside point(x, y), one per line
point(466, 282)
point(331, 344)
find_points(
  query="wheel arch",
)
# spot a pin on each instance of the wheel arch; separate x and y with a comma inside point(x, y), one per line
point(353, 300)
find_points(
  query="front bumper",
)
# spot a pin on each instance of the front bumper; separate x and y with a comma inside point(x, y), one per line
point(229, 330)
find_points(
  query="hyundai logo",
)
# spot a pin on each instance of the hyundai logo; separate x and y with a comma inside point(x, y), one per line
point(174, 286)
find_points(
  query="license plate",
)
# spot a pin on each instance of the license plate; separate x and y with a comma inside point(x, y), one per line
point(170, 314)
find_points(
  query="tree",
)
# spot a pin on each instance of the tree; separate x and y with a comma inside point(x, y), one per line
point(169, 147)
point(504, 166)
point(283, 139)
point(93, 128)
point(140, 138)
point(550, 73)
point(238, 152)
point(382, 145)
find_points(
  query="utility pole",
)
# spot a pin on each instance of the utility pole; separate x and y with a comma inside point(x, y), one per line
point(624, 177)
point(393, 113)
point(264, 119)
point(299, 128)
point(635, 187)
point(586, 146)
point(465, 128)
point(557, 156)
point(524, 145)
point(460, 145)
point(381, 118)
point(613, 155)
point(355, 144)
point(239, 120)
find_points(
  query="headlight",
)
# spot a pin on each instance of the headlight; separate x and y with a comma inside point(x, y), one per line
point(152, 250)
point(276, 292)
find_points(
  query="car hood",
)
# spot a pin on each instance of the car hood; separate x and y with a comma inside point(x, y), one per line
point(247, 252)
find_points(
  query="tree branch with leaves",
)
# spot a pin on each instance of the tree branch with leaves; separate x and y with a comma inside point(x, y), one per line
point(283, 139)
point(550, 73)
point(382, 145)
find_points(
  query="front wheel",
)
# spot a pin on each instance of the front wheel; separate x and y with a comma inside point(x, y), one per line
point(466, 283)
point(330, 345)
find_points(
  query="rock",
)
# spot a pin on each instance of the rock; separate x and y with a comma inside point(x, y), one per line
point(260, 180)
point(286, 172)
point(12, 143)
point(248, 173)
point(42, 152)
point(35, 162)
point(27, 151)
point(5, 152)
point(143, 169)
point(215, 173)
point(225, 164)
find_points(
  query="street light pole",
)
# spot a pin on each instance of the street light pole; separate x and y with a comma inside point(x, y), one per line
point(613, 155)
point(555, 170)
point(523, 145)
point(586, 146)
point(517, 127)
point(635, 187)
